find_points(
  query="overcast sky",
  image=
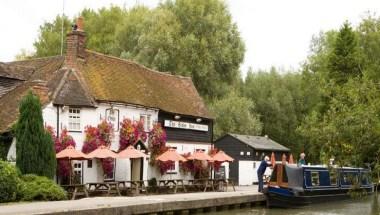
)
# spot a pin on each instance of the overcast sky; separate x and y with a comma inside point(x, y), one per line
point(276, 32)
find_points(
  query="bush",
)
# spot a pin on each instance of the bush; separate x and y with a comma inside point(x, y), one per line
point(35, 187)
point(9, 181)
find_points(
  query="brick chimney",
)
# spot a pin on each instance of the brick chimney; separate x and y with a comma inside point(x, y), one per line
point(76, 41)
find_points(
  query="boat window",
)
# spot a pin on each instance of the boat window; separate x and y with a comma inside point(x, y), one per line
point(273, 177)
point(333, 177)
point(284, 174)
point(349, 178)
point(365, 178)
point(315, 178)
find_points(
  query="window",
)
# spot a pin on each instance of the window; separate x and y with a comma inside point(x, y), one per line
point(248, 153)
point(365, 179)
point(333, 177)
point(89, 163)
point(147, 121)
point(241, 153)
point(77, 176)
point(74, 119)
point(314, 178)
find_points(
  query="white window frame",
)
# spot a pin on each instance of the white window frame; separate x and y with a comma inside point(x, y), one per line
point(147, 121)
point(176, 164)
point(74, 119)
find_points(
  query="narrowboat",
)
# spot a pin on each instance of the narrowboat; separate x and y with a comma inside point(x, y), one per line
point(296, 186)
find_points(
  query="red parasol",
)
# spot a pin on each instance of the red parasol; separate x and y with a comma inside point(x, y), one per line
point(171, 155)
point(71, 154)
point(200, 155)
point(102, 152)
point(131, 152)
point(222, 157)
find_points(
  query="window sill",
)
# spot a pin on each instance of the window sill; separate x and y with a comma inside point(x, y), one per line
point(172, 173)
point(75, 131)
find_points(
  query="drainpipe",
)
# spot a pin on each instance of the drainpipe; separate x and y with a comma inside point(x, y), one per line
point(57, 121)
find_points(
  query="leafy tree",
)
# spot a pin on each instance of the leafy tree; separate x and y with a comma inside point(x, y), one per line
point(235, 114)
point(101, 26)
point(49, 39)
point(281, 104)
point(183, 37)
point(344, 60)
point(34, 147)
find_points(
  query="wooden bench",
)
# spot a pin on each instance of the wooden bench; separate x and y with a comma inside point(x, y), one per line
point(76, 189)
point(108, 187)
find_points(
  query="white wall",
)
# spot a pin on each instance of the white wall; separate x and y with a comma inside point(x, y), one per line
point(182, 148)
point(93, 116)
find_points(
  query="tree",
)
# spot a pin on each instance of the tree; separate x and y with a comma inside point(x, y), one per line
point(344, 61)
point(34, 147)
point(280, 102)
point(235, 114)
point(184, 37)
point(49, 39)
point(101, 26)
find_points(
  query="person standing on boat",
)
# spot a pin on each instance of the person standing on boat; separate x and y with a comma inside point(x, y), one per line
point(302, 161)
point(260, 172)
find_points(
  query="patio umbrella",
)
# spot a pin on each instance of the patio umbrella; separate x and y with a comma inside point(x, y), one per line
point(69, 153)
point(291, 160)
point(200, 155)
point(273, 160)
point(131, 152)
point(170, 155)
point(102, 152)
point(221, 156)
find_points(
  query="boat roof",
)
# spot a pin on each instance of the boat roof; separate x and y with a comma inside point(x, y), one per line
point(322, 166)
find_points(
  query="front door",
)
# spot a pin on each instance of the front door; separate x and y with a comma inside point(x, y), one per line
point(136, 169)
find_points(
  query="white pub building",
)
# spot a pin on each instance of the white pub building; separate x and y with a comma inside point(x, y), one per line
point(84, 87)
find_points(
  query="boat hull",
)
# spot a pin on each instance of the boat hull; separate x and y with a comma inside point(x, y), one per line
point(284, 198)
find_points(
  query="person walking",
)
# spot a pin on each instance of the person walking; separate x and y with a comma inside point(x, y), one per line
point(260, 172)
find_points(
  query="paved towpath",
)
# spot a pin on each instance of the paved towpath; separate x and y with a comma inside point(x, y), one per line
point(132, 205)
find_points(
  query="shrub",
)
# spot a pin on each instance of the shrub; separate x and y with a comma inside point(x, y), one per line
point(35, 187)
point(9, 181)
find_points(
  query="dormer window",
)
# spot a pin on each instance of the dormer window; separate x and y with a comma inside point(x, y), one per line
point(74, 119)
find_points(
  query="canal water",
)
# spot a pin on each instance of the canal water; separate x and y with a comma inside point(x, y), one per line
point(367, 206)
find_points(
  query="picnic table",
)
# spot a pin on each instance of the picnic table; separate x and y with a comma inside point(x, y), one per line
point(75, 189)
point(136, 186)
point(222, 184)
point(174, 183)
point(109, 187)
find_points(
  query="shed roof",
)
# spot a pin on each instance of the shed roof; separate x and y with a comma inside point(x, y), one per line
point(260, 143)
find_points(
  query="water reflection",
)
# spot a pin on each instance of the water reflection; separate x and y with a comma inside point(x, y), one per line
point(368, 205)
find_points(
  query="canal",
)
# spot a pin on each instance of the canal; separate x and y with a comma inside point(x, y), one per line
point(366, 206)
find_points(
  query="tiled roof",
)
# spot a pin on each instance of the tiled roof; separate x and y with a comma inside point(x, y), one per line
point(114, 79)
point(98, 78)
point(72, 93)
point(261, 143)
point(34, 72)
